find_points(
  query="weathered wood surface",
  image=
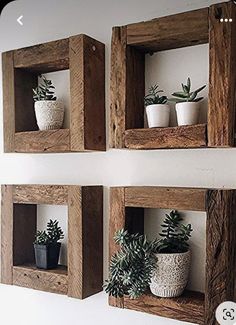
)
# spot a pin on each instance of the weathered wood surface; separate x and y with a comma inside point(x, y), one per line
point(187, 308)
point(43, 141)
point(55, 281)
point(24, 231)
point(165, 198)
point(165, 33)
point(8, 100)
point(42, 58)
point(220, 250)
point(6, 234)
point(191, 136)
point(222, 83)
point(40, 194)
point(127, 69)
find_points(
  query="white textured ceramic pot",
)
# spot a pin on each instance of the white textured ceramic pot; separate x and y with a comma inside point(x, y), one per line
point(187, 113)
point(49, 114)
point(171, 274)
point(158, 115)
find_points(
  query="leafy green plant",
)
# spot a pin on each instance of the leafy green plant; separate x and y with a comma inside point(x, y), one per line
point(44, 91)
point(53, 234)
point(153, 96)
point(187, 95)
point(132, 266)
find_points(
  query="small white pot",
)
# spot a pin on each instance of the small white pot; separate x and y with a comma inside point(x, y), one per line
point(187, 113)
point(170, 277)
point(49, 114)
point(158, 115)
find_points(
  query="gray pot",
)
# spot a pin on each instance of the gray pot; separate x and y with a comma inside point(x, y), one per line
point(171, 274)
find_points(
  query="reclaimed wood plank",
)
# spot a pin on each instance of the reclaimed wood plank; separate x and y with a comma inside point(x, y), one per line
point(165, 198)
point(220, 250)
point(40, 194)
point(170, 32)
point(43, 141)
point(28, 276)
point(190, 136)
point(222, 83)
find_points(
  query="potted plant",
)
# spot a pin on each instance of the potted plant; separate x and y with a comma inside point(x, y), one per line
point(188, 106)
point(161, 264)
point(173, 258)
point(48, 110)
point(46, 246)
point(157, 109)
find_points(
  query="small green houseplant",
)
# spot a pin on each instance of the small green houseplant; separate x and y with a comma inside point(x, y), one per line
point(48, 110)
point(47, 246)
point(135, 266)
point(157, 109)
point(187, 107)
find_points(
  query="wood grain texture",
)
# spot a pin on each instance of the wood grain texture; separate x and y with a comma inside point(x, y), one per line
point(8, 100)
point(220, 250)
point(165, 33)
point(25, 119)
point(40, 194)
point(187, 308)
point(42, 58)
point(127, 70)
point(87, 86)
point(92, 206)
point(55, 281)
point(165, 198)
point(24, 230)
point(191, 136)
point(43, 141)
point(118, 87)
point(75, 243)
point(222, 83)
point(6, 234)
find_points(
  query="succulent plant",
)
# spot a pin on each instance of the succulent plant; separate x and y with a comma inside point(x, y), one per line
point(44, 91)
point(153, 96)
point(53, 234)
point(187, 95)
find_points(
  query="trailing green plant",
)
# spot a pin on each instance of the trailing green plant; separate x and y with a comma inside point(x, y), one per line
point(153, 96)
point(175, 236)
point(52, 235)
point(186, 95)
point(45, 90)
point(132, 266)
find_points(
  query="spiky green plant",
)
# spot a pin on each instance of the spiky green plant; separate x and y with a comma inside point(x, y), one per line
point(186, 95)
point(132, 266)
point(53, 234)
point(45, 90)
point(153, 96)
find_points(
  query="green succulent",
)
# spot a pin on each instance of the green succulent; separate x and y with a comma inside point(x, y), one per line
point(44, 91)
point(53, 234)
point(186, 95)
point(153, 96)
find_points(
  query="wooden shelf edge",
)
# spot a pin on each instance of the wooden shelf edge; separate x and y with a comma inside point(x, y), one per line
point(43, 141)
point(189, 307)
point(178, 137)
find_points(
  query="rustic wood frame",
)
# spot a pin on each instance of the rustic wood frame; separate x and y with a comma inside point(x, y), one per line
point(84, 275)
point(219, 206)
point(85, 59)
point(130, 43)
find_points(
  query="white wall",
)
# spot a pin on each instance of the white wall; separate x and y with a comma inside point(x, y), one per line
point(55, 19)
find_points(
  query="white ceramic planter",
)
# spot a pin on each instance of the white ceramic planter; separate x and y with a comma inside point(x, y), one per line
point(187, 113)
point(171, 274)
point(49, 114)
point(158, 115)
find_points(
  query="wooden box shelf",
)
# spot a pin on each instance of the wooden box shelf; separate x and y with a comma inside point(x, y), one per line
point(84, 57)
point(131, 42)
point(127, 211)
point(84, 275)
